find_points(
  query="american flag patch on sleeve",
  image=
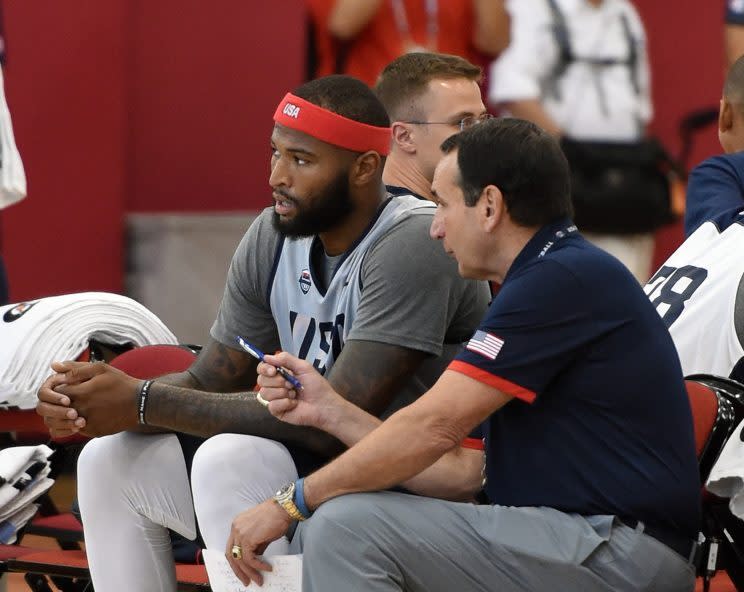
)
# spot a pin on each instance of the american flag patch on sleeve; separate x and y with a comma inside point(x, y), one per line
point(485, 344)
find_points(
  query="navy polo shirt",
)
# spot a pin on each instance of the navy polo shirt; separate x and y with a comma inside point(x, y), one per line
point(715, 189)
point(600, 422)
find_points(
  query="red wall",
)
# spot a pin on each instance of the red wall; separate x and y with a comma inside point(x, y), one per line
point(165, 105)
point(205, 85)
point(687, 69)
point(65, 88)
point(136, 105)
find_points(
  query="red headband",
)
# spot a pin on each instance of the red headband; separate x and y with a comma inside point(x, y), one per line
point(332, 128)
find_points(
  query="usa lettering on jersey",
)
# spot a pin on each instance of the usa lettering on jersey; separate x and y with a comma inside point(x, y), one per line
point(317, 340)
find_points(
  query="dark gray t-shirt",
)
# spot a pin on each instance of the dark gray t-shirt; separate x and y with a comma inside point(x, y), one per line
point(411, 295)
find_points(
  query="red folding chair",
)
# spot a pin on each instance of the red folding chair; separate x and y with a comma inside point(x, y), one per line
point(68, 569)
point(717, 408)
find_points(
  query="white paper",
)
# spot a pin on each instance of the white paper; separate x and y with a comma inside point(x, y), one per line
point(285, 577)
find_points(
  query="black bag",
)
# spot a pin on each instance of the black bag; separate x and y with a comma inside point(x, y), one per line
point(620, 187)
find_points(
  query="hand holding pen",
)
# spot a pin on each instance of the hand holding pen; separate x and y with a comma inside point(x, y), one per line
point(259, 355)
point(316, 404)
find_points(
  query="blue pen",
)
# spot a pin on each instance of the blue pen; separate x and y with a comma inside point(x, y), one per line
point(259, 355)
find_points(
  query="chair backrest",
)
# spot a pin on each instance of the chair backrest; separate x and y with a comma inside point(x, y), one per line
point(714, 418)
point(151, 361)
point(717, 408)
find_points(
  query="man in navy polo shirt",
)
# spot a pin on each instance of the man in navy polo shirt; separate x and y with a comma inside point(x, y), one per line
point(591, 467)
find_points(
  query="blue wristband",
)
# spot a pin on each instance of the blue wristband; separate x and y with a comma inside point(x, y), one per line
point(299, 499)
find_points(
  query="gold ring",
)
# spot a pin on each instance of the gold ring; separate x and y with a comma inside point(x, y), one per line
point(236, 552)
point(261, 400)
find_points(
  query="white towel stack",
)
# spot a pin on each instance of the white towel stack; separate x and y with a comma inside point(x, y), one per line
point(24, 477)
point(34, 334)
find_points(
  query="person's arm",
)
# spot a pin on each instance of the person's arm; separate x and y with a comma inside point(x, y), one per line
point(517, 76)
point(408, 442)
point(491, 32)
point(349, 17)
point(532, 110)
point(455, 476)
point(367, 373)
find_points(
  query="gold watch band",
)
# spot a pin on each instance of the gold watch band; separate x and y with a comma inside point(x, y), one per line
point(291, 509)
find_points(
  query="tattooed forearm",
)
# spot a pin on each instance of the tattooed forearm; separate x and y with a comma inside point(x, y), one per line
point(369, 374)
point(222, 369)
point(207, 414)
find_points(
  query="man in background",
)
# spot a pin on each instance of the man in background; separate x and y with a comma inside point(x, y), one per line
point(579, 69)
point(699, 290)
point(429, 97)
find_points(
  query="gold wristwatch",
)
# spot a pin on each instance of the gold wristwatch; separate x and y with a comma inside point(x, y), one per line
point(285, 498)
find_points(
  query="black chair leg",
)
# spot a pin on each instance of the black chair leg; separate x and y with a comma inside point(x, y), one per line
point(37, 582)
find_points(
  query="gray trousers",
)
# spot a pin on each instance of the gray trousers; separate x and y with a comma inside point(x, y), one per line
point(391, 541)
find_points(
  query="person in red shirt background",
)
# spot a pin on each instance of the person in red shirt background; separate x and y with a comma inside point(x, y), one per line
point(360, 37)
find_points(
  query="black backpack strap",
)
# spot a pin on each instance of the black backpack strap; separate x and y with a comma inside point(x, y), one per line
point(632, 55)
point(559, 28)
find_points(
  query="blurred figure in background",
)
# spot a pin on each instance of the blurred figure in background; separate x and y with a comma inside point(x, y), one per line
point(12, 175)
point(360, 37)
point(579, 69)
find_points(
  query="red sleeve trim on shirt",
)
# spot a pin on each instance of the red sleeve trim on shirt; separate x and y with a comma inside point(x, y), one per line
point(497, 382)
point(472, 443)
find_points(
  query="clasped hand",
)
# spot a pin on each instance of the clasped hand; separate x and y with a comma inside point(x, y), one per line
point(93, 399)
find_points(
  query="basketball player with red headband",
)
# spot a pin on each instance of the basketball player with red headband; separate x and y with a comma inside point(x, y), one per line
point(336, 271)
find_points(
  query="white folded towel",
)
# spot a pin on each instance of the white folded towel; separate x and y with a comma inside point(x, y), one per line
point(34, 334)
point(24, 476)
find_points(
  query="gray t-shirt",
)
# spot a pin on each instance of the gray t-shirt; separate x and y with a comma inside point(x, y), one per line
point(411, 294)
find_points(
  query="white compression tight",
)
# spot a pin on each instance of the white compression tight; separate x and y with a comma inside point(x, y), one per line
point(133, 487)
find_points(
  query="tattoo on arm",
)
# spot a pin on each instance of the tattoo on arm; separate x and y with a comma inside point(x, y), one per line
point(215, 395)
point(207, 414)
point(369, 374)
point(223, 369)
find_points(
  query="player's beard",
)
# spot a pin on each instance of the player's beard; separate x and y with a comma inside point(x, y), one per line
point(327, 212)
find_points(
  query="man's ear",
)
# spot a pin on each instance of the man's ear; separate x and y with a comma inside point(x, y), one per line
point(492, 207)
point(725, 116)
point(403, 137)
point(366, 168)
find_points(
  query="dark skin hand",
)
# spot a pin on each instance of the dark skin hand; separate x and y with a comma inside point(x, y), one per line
point(218, 368)
point(208, 399)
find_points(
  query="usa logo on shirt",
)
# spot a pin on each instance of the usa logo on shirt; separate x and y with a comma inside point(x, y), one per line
point(485, 344)
point(305, 281)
